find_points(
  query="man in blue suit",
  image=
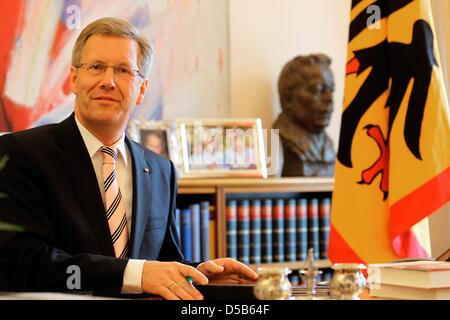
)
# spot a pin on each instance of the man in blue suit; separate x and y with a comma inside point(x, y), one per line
point(59, 193)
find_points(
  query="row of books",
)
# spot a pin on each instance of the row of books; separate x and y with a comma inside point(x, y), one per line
point(193, 226)
point(277, 230)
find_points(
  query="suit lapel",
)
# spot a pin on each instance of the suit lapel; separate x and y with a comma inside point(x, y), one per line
point(142, 195)
point(82, 177)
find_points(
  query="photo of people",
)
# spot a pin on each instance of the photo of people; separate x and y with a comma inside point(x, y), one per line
point(155, 140)
point(205, 147)
point(222, 147)
point(212, 148)
point(160, 137)
point(240, 148)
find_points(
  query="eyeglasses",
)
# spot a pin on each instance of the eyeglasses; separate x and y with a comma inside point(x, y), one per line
point(123, 72)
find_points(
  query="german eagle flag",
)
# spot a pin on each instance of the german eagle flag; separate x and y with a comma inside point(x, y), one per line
point(393, 162)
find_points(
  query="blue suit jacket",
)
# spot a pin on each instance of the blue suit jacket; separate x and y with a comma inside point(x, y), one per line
point(53, 193)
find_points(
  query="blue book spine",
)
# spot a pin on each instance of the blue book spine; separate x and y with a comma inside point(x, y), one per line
point(266, 220)
point(255, 232)
point(324, 225)
point(204, 223)
point(231, 219)
point(278, 231)
point(196, 242)
point(186, 234)
point(243, 231)
point(313, 226)
point(302, 229)
point(290, 230)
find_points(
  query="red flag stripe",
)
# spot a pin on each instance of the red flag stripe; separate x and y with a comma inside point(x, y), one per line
point(339, 251)
point(12, 23)
point(420, 203)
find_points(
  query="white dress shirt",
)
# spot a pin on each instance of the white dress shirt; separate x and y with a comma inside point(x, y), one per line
point(132, 277)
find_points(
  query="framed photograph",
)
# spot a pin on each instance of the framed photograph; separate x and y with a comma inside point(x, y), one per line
point(222, 148)
point(158, 136)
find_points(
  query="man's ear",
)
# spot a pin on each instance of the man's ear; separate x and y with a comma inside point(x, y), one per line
point(142, 91)
point(73, 79)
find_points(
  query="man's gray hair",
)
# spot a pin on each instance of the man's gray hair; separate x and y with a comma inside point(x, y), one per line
point(115, 28)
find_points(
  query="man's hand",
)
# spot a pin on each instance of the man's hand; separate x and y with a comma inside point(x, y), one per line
point(168, 279)
point(227, 270)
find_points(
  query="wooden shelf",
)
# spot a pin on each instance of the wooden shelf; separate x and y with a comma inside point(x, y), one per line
point(196, 190)
point(296, 184)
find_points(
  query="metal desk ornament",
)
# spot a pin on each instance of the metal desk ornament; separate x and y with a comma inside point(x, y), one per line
point(347, 281)
point(309, 277)
point(273, 284)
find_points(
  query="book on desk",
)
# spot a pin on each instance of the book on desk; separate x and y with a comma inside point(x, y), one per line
point(428, 280)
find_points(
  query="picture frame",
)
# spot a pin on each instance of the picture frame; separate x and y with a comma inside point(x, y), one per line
point(160, 137)
point(222, 148)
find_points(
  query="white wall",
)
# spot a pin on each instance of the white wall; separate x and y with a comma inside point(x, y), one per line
point(440, 231)
point(265, 34)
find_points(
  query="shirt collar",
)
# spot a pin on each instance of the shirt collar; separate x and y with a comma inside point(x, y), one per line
point(93, 144)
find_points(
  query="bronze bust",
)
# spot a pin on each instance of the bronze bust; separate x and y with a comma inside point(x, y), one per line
point(305, 87)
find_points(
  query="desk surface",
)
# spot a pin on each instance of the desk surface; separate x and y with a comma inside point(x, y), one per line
point(364, 295)
point(49, 296)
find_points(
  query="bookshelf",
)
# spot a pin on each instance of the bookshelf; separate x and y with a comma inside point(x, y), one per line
point(218, 190)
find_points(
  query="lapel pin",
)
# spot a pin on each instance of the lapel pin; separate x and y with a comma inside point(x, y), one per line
point(146, 170)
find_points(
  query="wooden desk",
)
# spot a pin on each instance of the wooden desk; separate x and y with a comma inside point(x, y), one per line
point(65, 296)
point(49, 296)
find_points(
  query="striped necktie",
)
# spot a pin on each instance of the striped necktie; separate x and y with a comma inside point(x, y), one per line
point(115, 207)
